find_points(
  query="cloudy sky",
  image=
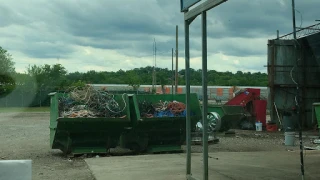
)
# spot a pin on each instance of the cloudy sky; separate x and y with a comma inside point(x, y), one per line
point(108, 35)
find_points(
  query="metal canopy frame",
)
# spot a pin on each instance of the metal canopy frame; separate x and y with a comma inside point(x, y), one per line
point(189, 16)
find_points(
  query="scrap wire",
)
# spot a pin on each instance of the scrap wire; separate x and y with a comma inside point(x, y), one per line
point(80, 113)
point(88, 102)
point(176, 107)
point(162, 109)
point(146, 109)
point(161, 106)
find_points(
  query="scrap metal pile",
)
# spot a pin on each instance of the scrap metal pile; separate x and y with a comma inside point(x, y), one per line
point(88, 102)
point(162, 109)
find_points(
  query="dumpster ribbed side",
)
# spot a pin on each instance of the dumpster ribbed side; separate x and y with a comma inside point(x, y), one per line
point(78, 135)
point(317, 113)
point(156, 133)
point(53, 117)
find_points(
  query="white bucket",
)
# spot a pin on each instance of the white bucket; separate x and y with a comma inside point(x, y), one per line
point(258, 126)
point(289, 138)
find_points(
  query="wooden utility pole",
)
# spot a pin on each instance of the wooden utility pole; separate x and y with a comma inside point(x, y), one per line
point(154, 76)
point(172, 90)
point(176, 79)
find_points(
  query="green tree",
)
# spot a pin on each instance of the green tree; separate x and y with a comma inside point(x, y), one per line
point(164, 78)
point(133, 80)
point(7, 82)
point(49, 78)
point(6, 63)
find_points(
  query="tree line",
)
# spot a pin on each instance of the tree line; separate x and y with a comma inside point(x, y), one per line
point(50, 78)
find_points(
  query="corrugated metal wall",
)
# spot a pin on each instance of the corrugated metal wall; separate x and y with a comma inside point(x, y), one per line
point(291, 62)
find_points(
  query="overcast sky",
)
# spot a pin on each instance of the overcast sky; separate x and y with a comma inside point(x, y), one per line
point(105, 35)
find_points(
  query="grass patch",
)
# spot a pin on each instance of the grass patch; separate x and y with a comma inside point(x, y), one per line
point(24, 109)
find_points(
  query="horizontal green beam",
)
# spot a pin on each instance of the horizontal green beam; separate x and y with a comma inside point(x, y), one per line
point(207, 5)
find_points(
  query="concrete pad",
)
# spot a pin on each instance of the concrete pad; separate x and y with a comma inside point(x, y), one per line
point(222, 166)
point(16, 169)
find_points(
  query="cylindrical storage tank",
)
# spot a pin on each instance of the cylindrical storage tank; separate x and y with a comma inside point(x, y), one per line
point(282, 57)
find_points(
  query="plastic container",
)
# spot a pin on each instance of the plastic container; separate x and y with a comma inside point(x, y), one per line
point(289, 138)
point(272, 127)
point(258, 126)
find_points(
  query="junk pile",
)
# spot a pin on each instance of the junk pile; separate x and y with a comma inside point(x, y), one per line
point(111, 120)
point(162, 109)
point(89, 102)
point(242, 111)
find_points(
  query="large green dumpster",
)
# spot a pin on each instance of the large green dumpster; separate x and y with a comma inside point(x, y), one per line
point(231, 116)
point(316, 113)
point(86, 134)
point(157, 134)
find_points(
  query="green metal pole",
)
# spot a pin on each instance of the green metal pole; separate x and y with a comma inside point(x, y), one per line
point(298, 96)
point(188, 102)
point(205, 96)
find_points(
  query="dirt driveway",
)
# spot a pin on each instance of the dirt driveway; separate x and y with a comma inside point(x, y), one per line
point(26, 136)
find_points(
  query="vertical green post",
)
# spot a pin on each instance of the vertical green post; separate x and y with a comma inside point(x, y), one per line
point(188, 103)
point(205, 95)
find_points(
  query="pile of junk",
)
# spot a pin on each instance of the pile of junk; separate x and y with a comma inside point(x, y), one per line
point(85, 120)
point(243, 111)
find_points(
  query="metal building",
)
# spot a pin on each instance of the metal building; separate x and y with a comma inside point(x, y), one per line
point(293, 64)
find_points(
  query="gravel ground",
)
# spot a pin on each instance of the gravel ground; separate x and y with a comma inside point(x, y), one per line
point(26, 136)
point(248, 141)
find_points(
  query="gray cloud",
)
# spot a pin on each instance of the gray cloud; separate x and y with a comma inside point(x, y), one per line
point(43, 30)
point(9, 16)
point(108, 18)
point(47, 50)
point(249, 19)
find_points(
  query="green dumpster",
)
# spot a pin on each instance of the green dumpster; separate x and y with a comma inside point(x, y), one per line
point(158, 133)
point(231, 116)
point(316, 113)
point(86, 134)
